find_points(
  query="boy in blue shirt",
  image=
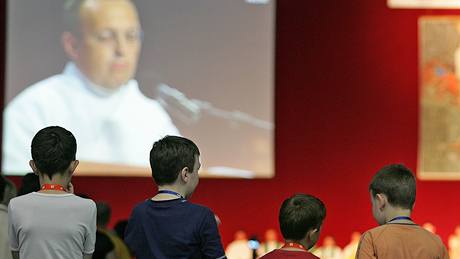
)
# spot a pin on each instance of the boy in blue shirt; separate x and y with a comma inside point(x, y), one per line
point(168, 225)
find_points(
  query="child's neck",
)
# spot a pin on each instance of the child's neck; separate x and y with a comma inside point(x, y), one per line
point(170, 187)
point(302, 242)
point(58, 179)
point(393, 212)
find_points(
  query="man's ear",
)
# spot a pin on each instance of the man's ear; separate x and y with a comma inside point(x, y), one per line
point(73, 166)
point(381, 201)
point(70, 45)
point(33, 166)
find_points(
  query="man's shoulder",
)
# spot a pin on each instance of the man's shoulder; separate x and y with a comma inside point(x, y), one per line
point(47, 84)
point(41, 91)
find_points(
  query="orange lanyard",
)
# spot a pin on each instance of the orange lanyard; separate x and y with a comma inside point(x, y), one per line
point(54, 187)
point(295, 245)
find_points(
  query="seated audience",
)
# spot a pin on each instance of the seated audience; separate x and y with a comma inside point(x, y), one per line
point(392, 192)
point(301, 217)
point(349, 251)
point(239, 247)
point(454, 244)
point(53, 222)
point(329, 250)
point(271, 242)
point(168, 225)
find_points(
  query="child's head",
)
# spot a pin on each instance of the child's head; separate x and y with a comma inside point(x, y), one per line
point(104, 212)
point(53, 152)
point(175, 160)
point(7, 190)
point(301, 217)
point(393, 186)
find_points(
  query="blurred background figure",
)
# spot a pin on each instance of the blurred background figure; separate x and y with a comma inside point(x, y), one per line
point(239, 248)
point(430, 227)
point(120, 227)
point(7, 192)
point(104, 248)
point(454, 244)
point(270, 243)
point(30, 183)
point(120, 250)
point(349, 252)
point(329, 250)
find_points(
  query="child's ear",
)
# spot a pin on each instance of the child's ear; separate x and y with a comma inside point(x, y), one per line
point(381, 200)
point(33, 166)
point(73, 166)
point(184, 174)
point(312, 233)
point(312, 237)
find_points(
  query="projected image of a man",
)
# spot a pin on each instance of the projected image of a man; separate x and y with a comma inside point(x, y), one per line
point(95, 96)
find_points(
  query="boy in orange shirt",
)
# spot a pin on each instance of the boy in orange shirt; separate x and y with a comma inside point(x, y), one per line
point(392, 193)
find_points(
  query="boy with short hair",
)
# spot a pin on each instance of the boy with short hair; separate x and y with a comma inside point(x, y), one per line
point(392, 192)
point(168, 225)
point(300, 218)
point(53, 222)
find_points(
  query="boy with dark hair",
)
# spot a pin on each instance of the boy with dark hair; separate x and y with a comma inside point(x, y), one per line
point(392, 192)
point(300, 218)
point(168, 225)
point(53, 222)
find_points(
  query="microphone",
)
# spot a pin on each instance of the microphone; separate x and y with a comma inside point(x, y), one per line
point(177, 104)
point(191, 110)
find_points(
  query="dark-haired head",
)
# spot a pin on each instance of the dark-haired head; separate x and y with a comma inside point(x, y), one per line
point(169, 156)
point(397, 183)
point(104, 213)
point(7, 190)
point(2, 187)
point(53, 150)
point(300, 215)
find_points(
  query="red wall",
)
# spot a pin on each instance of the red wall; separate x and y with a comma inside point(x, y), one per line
point(346, 104)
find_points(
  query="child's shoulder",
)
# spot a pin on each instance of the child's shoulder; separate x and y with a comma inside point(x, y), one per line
point(180, 204)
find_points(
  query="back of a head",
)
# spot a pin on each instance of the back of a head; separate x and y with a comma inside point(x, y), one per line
point(53, 149)
point(397, 183)
point(169, 156)
point(103, 214)
point(9, 191)
point(299, 214)
point(120, 228)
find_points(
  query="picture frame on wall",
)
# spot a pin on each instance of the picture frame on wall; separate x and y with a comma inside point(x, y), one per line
point(439, 124)
point(424, 4)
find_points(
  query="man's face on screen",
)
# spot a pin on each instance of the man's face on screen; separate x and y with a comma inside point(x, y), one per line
point(110, 41)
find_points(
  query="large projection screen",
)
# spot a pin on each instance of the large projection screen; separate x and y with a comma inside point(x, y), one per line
point(205, 71)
